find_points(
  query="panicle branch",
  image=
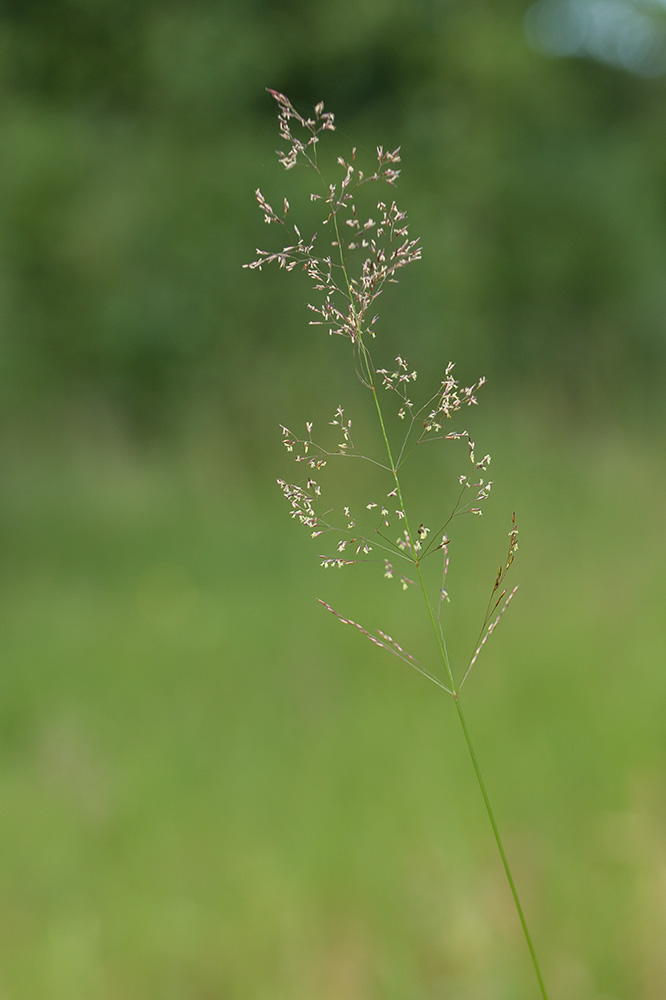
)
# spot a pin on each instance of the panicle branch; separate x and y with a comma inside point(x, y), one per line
point(384, 641)
point(323, 121)
point(497, 596)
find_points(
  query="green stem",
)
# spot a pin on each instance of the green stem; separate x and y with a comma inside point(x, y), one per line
point(500, 847)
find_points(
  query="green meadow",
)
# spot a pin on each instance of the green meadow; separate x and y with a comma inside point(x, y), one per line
point(212, 789)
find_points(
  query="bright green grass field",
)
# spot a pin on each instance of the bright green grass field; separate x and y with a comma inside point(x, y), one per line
point(212, 790)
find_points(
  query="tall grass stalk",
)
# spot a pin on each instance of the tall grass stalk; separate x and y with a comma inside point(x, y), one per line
point(361, 255)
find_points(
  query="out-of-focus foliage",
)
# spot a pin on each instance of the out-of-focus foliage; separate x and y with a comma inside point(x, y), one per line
point(134, 134)
point(209, 789)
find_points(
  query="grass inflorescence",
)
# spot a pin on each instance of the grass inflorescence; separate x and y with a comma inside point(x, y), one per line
point(362, 251)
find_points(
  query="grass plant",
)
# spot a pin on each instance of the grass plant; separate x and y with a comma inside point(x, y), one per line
point(366, 244)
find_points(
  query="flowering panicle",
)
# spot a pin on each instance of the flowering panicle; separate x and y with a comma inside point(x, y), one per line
point(346, 287)
point(364, 252)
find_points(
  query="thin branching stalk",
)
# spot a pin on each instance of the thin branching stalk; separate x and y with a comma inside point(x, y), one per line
point(345, 293)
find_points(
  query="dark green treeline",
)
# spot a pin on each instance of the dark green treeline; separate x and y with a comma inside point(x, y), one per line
point(133, 135)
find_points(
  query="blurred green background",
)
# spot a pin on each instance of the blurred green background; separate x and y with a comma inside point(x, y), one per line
point(210, 789)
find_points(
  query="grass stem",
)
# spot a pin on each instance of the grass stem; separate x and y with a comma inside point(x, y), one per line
point(505, 862)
